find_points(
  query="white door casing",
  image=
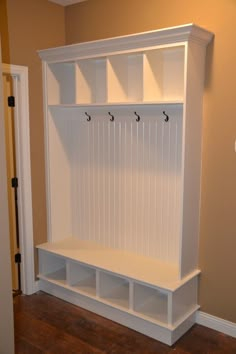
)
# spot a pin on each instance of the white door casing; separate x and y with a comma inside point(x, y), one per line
point(23, 167)
point(6, 303)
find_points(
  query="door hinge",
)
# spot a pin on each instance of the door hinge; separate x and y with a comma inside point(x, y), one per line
point(17, 258)
point(14, 182)
point(11, 101)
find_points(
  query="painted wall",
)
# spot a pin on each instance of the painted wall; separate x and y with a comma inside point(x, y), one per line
point(26, 27)
point(4, 31)
point(107, 18)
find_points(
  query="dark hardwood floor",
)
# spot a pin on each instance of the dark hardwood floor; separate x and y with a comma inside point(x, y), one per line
point(45, 324)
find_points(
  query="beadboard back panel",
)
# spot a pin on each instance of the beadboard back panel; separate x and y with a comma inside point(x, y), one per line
point(121, 178)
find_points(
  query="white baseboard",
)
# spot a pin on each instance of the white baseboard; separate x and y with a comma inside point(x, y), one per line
point(216, 323)
point(36, 286)
point(159, 331)
point(202, 318)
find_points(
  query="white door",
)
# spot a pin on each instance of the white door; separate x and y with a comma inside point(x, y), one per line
point(8, 91)
point(15, 83)
point(6, 303)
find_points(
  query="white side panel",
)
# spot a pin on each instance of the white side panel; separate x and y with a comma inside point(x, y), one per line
point(183, 327)
point(173, 67)
point(59, 178)
point(117, 76)
point(192, 157)
point(184, 300)
point(100, 83)
point(135, 78)
point(153, 76)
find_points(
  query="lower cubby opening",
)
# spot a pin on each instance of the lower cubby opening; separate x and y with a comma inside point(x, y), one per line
point(52, 267)
point(82, 278)
point(151, 302)
point(161, 313)
point(114, 289)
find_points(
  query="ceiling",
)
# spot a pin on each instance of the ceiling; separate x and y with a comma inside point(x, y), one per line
point(66, 2)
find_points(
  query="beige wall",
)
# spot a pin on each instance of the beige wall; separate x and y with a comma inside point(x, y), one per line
point(28, 26)
point(96, 19)
point(34, 25)
point(4, 31)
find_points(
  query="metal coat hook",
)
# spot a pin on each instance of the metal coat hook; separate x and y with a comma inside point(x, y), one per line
point(166, 116)
point(89, 117)
point(138, 117)
point(112, 117)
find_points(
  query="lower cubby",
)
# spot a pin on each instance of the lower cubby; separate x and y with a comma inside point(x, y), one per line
point(114, 289)
point(166, 334)
point(151, 302)
point(161, 313)
point(82, 278)
point(52, 267)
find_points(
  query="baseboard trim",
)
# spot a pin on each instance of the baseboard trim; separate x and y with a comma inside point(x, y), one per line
point(161, 332)
point(216, 323)
point(36, 286)
point(202, 318)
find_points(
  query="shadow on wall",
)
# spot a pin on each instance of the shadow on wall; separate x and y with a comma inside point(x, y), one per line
point(209, 64)
point(4, 32)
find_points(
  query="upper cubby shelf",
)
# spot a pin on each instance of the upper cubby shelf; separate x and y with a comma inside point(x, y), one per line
point(155, 75)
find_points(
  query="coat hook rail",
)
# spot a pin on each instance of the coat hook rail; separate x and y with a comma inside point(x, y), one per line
point(112, 117)
point(89, 117)
point(138, 117)
point(166, 116)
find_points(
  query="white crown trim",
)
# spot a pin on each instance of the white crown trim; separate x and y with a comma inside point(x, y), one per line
point(130, 42)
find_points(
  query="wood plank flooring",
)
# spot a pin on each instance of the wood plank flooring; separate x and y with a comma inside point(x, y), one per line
point(45, 324)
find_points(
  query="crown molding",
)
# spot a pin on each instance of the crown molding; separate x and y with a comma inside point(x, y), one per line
point(189, 32)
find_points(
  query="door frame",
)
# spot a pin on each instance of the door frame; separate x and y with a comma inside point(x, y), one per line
point(23, 168)
point(6, 302)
